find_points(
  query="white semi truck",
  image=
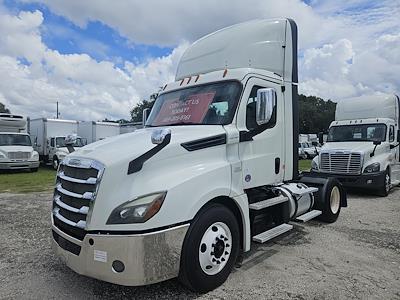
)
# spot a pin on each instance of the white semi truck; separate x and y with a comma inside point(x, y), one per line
point(94, 131)
point(16, 151)
point(362, 148)
point(215, 169)
point(48, 136)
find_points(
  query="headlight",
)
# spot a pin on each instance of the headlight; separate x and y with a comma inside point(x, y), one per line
point(314, 165)
point(2, 155)
point(372, 168)
point(35, 155)
point(138, 210)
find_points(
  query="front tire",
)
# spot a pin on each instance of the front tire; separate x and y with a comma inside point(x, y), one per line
point(34, 170)
point(383, 191)
point(55, 163)
point(210, 249)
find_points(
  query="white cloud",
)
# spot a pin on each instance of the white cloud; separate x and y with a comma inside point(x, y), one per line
point(33, 77)
point(347, 48)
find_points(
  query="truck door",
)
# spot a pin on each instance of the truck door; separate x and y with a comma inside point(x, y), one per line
point(52, 148)
point(394, 156)
point(262, 155)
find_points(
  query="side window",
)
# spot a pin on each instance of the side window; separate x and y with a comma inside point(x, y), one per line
point(391, 133)
point(251, 111)
point(52, 142)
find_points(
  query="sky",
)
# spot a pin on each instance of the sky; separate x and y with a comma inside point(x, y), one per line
point(99, 58)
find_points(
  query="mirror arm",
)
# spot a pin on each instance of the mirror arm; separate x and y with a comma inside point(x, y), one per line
point(373, 151)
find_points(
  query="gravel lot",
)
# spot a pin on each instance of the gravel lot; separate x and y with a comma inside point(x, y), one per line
point(358, 257)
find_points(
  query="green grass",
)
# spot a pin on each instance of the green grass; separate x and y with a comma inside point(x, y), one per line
point(26, 182)
point(304, 164)
point(43, 180)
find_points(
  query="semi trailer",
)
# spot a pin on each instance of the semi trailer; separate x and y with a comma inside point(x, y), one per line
point(214, 170)
point(16, 151)
point(48, 136)
point(362, 148)
point(94, 131)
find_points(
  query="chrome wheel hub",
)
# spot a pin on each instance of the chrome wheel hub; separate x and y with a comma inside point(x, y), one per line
point(215, 248)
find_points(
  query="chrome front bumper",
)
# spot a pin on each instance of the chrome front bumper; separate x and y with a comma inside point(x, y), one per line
point(147, 258)
point(14, 165)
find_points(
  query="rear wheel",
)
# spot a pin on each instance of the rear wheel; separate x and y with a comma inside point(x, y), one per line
point(210, 249)
point(333, 194)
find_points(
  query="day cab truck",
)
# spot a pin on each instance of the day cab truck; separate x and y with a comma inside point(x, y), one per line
point(215, 169)
point(362, 149)
point(16, 151)
point(48, 136)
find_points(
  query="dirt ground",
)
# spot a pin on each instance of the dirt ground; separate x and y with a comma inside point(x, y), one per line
point(358, 257)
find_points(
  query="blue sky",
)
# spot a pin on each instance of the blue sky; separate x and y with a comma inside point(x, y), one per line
point(98, 58)
point(98, 40)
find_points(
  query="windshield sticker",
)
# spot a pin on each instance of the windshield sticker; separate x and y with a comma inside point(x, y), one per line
point(191, 110)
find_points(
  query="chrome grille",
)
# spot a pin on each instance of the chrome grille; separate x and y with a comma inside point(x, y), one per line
point(19, 155)
point(76, 188)
point(341, 162)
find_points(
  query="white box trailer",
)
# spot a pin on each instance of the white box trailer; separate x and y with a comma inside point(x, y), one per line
point(48, 137)
point(96, 131)
point(16, 151)
point(362, 147)
point(215, 169)
point(130, 127)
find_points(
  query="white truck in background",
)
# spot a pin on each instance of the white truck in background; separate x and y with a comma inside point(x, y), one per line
point(94, 131)
point(362, 148)
point(16, 151)
point(215, 169)
point(48, 136)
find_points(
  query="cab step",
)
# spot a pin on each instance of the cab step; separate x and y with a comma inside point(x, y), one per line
point(268, 202)
point(270, 234)
point(308, 216)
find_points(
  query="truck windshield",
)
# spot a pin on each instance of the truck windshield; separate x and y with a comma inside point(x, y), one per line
point(60, 142)
point(361, 132)
point(208, 104)
point(15, 140)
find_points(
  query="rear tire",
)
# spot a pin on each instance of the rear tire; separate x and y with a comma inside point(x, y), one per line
point(210, 249)
point(383, 191)
point(333, 195)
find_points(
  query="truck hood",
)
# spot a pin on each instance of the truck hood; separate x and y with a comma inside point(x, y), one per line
point(128, 146)
point(363, 147)
point(5, 149)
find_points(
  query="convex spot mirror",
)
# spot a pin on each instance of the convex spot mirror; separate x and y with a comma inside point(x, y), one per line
point(266, 103)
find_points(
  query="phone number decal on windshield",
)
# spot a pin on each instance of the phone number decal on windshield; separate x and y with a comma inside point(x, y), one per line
point(191, 110)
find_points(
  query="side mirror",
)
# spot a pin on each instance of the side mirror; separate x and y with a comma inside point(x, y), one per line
point(70, 139)
point(266, 103)
point(377, 142)
point(145, 115)
point(321, 138)
point(398, 135)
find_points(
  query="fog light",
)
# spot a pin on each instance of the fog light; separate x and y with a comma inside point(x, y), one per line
point(369, 181)
point(118, 266)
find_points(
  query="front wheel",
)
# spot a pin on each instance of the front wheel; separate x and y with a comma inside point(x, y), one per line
point(55, 163)
point(210, 249)
point(385, 188)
